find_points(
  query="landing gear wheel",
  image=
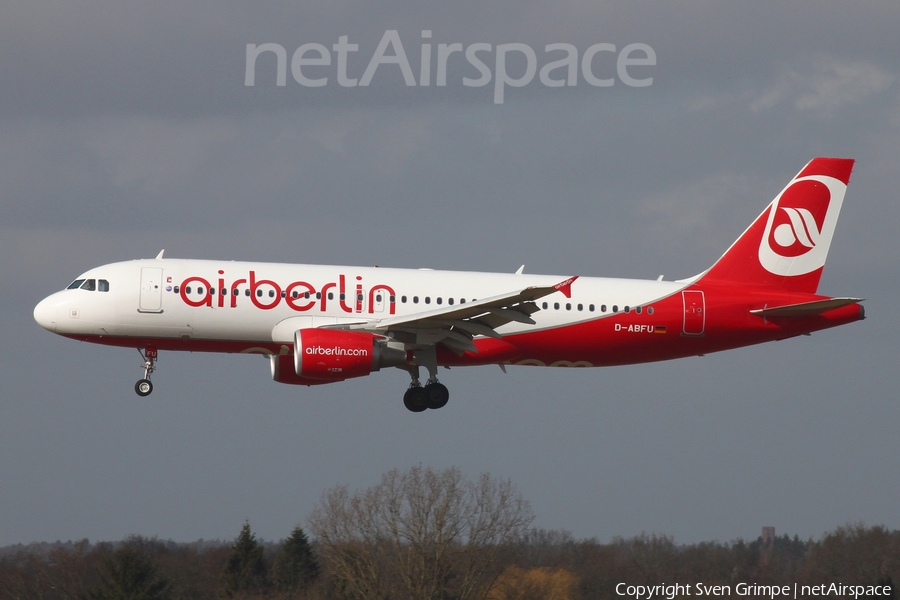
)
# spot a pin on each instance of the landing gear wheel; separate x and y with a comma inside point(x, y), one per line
point(436, 395)
point(415, 400)
point(143, 387)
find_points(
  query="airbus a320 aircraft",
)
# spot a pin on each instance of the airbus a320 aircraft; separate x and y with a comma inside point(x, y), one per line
point(323, 324)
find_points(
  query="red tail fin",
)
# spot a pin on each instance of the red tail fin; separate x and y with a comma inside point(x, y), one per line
point(787, 245)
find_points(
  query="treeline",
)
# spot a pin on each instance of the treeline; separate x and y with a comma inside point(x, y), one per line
point(423, 534)
point(542, 565)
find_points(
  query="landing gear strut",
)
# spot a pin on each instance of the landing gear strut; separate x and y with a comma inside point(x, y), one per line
point(143, 387)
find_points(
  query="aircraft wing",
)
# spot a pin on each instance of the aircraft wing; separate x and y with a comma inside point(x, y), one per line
point(455, 326)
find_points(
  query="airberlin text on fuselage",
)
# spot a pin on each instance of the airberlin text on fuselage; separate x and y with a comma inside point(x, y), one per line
point(266, 294)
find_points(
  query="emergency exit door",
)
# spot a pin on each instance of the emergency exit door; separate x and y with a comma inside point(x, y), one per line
point(694, 312)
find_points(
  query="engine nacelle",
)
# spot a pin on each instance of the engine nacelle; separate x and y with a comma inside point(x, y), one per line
point(283, 371)
point(326, 355)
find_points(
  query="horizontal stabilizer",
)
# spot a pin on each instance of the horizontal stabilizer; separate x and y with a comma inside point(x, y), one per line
point(805, 309)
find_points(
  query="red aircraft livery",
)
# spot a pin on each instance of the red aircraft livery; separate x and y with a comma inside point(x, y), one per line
point(323, 324)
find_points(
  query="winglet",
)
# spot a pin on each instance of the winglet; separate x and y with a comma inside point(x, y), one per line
point(566, 286)
point(160, 255)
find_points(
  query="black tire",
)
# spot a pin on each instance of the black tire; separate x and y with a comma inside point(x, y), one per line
point(414, 399)
point(143, 387)
point(436, 395)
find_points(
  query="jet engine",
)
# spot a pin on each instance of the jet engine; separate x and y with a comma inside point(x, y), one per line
point(327, 355)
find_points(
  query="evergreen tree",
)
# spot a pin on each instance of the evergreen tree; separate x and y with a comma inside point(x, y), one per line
point(296, 566)
point(130, 575)
point(245, 570)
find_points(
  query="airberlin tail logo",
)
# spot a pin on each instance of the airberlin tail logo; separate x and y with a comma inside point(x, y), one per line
point(800, 225)
point(799, 235)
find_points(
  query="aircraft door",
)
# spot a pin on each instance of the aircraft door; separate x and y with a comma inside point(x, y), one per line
point(151, 290)
point(694, 312)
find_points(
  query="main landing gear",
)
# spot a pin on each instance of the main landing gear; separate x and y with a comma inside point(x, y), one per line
point(434, 395)
point(143, 387)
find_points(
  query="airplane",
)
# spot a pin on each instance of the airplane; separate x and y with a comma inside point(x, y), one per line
point(323, 324)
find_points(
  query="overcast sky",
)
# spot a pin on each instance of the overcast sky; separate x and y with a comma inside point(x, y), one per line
point(127, 127)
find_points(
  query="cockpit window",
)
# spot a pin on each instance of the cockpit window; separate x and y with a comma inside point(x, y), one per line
point(102, 285)
point(89, 285)
point(75, 284)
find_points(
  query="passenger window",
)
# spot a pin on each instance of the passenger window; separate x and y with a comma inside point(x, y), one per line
point(415, 299)
point(224, 291)
point(427, 299)
point(449, 300)
point(247, 292)
point(603, 308)
point(581, 307)
point(377, 298)
point(544, 306)
point(403, 299)
point(343, 297)
point(439, 300)
point(271, 293)
point(649, 310)
point(359, 298)
point(591, 307)
point(187, 290)
point(331, 295)
point(568, 306)
point(75, 284)
point(615, 308)
point(462, 300)
point(89, 285)
point(556, 305)
point(259, 293)
point(638, 310)
point(318, 295)
point(102, 285)
point(392, 299)
point(627, 310)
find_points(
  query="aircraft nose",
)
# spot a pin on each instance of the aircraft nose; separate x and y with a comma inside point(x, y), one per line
point(45, 313)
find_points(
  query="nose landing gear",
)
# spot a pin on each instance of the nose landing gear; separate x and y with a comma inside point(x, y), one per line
point(143, 387)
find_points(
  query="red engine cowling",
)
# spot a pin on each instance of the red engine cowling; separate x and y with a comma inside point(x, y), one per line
point(326, 355)
point(283, 371)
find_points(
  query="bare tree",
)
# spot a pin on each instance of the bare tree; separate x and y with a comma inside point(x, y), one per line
point(419, 534)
